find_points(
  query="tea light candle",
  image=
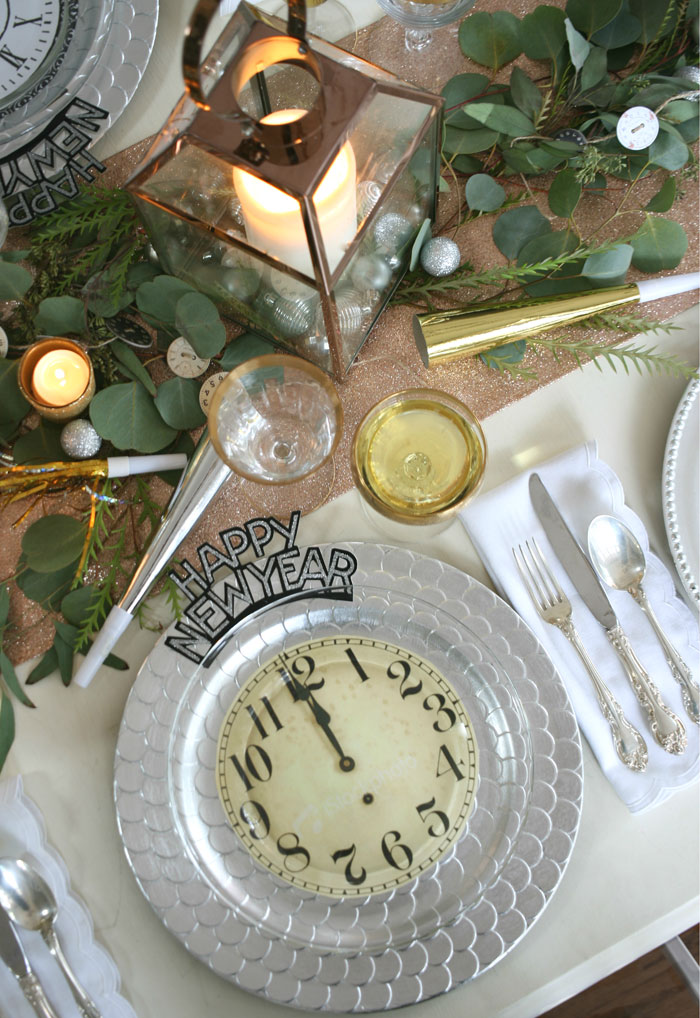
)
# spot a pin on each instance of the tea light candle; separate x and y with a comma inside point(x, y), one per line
point(273, 219)
point(60, 377)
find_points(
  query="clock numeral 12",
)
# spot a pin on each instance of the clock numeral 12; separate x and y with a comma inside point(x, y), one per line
point(356, 664)
point(256, 762)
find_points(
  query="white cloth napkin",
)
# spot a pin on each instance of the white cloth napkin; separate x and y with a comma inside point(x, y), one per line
point(584, 487)
point(22, 834)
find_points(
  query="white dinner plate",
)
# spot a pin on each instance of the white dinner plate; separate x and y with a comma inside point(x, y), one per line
point(681, 490)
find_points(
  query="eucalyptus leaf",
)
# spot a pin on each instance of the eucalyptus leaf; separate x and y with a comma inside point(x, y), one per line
point(11, 681)
point(579, 48)
point(501, 356)
point(65, 655)
point(47, 589)
point(183, 444)
point(177, 401)
point(77, 604)
point(10, 257)
point(141, 272)
point(515, 227)
point(526, 95)
point(595, 69)
point(483, 193)
point(547, 246)
point(668, 151)
point(589, 16)
point(545, 160)
point(105, 293)
point(624, 29)
point(658, 244)
point(606, 268)
point(158, 297)
point(504, 119)
point(465, 164)
point(458, 142)
point(491, 40)
point(53, 542)
point(664, 198)
point(459, 90)
point(518, 158)
point(126, 415)
point(245, 346)
point(679, 111)
point(421, 237)
point(543, 33)
point(651, 15)
point(7, 726)
point(59, 316)
point(126, 356)
point(14, 281)
point(198, 319)
point(13, 405)
point(41, 445)
point(47, 665)
point(564, 193)
point(689, 130)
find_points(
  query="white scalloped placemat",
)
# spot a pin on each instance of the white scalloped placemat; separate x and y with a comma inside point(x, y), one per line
point(22, 834)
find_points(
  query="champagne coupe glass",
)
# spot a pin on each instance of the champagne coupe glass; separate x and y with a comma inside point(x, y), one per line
point(276, 420)
point(328, 19)
point(420, 17)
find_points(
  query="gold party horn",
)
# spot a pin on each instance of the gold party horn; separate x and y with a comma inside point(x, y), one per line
point(465, 332)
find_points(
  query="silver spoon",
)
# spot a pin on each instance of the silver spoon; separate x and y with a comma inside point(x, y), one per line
point(29, 902)
point(618, 557)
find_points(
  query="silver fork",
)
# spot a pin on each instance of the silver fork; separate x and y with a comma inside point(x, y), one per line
point(554, 607)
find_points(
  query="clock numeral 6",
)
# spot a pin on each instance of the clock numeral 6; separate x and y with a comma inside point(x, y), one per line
point(255, 816)
point(397, 855)
point(256, 763)
point(402, 670)
point(296, 857)
point(352, 878)
point(426, 810)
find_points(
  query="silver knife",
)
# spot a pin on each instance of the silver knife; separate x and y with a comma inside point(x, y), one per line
point(12, 953)
point(666, 727)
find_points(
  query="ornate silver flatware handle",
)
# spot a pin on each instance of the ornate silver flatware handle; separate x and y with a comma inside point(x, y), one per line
point(629, 744)
point(667, 727)
point(84, 1002)
point(34, 992)
point(679, 669)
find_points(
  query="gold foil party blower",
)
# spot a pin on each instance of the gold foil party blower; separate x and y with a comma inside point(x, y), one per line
point(464, 332)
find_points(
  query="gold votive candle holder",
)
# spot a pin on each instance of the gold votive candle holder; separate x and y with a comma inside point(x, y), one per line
point(25, 377)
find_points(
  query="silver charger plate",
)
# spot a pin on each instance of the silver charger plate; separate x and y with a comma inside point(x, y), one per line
point(105, 58)
point(247, 943)
point(681, 490)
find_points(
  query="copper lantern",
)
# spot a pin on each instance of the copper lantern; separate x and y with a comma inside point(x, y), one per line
point(290, 181)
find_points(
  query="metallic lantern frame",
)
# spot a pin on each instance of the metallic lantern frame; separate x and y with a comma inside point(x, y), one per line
point(292, 157)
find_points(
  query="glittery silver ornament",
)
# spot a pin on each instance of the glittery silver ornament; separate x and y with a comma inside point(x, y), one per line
point(370, 272)
point(692, 75)
point(368, 194)
point(440, 256)
point(391, 231)
point(287, 317)
point(80, 440)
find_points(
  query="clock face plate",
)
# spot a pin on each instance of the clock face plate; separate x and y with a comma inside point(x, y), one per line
point(452, 921)
point(347, 765)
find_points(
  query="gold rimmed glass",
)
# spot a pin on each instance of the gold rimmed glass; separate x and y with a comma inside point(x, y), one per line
point(417, 457)
point(277, 420)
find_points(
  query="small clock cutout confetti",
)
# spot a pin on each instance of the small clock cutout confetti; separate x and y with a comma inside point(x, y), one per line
point(206, 393)
point(183, 361)
point(637, 128)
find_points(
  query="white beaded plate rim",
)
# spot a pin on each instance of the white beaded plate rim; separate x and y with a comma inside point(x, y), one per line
point(109, 75)
point(681, 486)
point(307, 977)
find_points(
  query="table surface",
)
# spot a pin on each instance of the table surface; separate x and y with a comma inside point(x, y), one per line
point(632, 882)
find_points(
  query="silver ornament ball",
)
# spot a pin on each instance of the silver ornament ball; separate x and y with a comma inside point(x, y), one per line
point(440, 256)
point(391, 231)
point(80, 440)
point(692, 76)
point(370, 272)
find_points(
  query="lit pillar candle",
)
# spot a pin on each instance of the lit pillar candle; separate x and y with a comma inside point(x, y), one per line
point(273, 219)
point(60, 377)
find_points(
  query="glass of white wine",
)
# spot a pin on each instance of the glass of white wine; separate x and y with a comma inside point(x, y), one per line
point(417, 457)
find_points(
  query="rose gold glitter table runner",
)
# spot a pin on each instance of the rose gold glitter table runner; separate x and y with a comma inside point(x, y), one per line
point(389, 359)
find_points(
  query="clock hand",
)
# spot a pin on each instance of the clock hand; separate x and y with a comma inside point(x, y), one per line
point(323, 719)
